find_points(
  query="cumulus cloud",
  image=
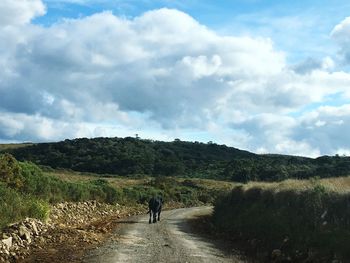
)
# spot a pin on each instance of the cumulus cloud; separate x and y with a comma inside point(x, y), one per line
point(310, 64)
point(341, 34)
point(163, 73)
point(319, 131)
point(20, 11)
point(270, 133)
point(25, 127)
point(325, 128)
point(164, 63)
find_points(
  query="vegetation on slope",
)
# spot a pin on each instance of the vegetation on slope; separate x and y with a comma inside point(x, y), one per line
point(137, 157)
point(281, 167)
point(291, 216)
point(15, 206)
point(132, 156)
point(183, 191)
point(25, 190)
point(27, 178)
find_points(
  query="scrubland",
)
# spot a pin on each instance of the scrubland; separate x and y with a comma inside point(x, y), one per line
point(300, 219)
point(28, 191)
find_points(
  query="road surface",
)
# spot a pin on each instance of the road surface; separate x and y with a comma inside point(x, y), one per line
point(169, 240)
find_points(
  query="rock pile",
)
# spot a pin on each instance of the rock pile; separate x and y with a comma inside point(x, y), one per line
point(17, 237)
point(82, 213)
point(69, 224)
point(66, 220)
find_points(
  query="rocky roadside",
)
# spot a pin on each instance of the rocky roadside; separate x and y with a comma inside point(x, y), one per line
point(72, 228)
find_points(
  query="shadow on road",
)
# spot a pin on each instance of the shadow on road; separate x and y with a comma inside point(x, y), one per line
point(200, 226)
point(130, 222)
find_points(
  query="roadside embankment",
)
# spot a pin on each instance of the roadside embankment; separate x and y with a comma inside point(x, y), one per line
point(70, 229)
point(291, 225)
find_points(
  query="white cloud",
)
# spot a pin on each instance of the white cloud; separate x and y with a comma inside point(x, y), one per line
point(341, 34)
point(201, 66)
point(164, 74)
point(320, 131)
point(325, 128)
point(163, 62)
point(299, 148)
point(270, 133)
point(311, 64)
point(20, 12)
point(342, 151)
point(343, 28)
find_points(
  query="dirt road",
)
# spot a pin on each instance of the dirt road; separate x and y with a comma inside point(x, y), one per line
point(169, 240)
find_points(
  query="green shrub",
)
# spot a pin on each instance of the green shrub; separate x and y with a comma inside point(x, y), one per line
point(15, 206)
point(313, 218)
point(38, 209)
point(10, 172)
point(28, 178)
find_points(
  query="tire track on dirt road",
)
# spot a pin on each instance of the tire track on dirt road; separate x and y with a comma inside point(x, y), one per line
point(170, 240)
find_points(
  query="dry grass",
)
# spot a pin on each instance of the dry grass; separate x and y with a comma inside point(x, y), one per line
point(338, 184)
point(341, 184)
point(8, 146)
point(124, 182)
point(213, 184)
point(71, 176)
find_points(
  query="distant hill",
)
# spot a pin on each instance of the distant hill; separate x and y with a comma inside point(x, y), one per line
point(137, 157)
point(133, 156)
point(281, 167)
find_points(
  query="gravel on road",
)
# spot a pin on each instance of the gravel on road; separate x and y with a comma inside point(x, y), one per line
point(170, 240)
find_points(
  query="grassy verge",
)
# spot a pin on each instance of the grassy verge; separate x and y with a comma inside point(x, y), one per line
point(15, 206)
point(188, 192)
point(27, 184)
point(25, 191)
point(303, 219)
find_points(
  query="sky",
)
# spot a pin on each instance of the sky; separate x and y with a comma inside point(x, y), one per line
point(266, 76)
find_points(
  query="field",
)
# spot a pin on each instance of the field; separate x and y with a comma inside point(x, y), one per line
point(124, 182)
point(9, 146)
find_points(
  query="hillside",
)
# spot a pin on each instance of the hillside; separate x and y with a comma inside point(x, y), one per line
point(132, 156)
point(28, 191)
point(137, 157)
point(281, 167)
